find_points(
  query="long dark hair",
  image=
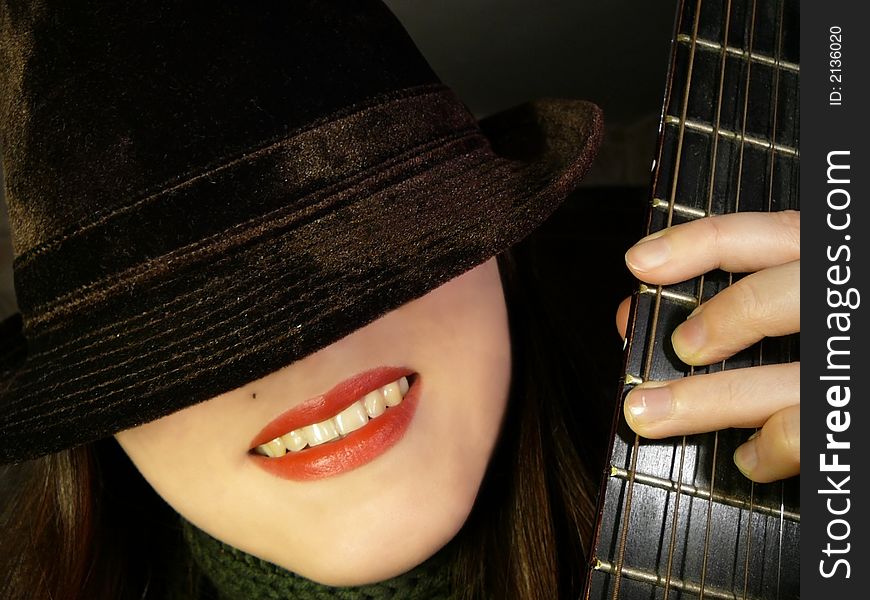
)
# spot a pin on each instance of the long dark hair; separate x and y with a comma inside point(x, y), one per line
point(83, 523)
point(529, 533)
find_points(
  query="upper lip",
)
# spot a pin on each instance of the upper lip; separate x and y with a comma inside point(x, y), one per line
point(329, 404)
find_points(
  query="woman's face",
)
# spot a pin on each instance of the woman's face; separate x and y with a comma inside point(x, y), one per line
point(368, 505)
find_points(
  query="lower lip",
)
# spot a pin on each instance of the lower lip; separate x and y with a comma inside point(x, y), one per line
point(356, 449)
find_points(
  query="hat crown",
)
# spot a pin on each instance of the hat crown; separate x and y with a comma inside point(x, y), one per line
point(106, 103)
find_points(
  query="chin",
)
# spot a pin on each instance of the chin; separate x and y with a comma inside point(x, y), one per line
point(385, 519)
point(382, 542)
point(379, 564)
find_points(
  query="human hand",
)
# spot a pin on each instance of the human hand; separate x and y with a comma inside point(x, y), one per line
point(764, 303)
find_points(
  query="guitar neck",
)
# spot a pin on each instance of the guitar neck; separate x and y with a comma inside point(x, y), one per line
point(676, 518)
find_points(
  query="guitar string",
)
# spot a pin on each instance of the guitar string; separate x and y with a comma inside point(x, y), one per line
point(770, 182)
point(781, 518)
point(748, 61)
point(678, 494)
point(795, 196)
point(794, 202)
point(700, 293)
point(770, 188)
point(776, 71)
point(713, 165)
point(739, 190)
point(647, 363)
point(772, 163)
point(671, 201)
point(751, 483)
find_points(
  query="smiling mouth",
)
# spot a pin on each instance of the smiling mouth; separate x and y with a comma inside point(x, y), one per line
point(356, 416)
point(347, 427)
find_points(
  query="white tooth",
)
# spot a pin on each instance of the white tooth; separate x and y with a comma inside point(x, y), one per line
point(320, 433)
point(294, 441)
point(392, 394)
point(273, 449)
point(375, 404)
point(351, 418)
point(403, 385)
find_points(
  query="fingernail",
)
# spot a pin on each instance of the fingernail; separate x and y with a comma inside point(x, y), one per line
point(746, 456)
point(649, 253)
point(690, 337)
point(649, 404)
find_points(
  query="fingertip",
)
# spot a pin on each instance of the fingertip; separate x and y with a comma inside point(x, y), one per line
point(622, 316)
point(647, 407)
point(746, 457)
point(768, 455)
point(648, 254)
point(689, 339)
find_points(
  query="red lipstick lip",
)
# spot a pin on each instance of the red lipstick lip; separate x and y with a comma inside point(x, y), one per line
point(329, 404)
point(358, 447)
point(354, 450)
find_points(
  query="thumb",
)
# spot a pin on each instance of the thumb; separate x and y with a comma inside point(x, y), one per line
point(622, 316)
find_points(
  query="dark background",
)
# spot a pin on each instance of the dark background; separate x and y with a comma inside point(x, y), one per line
point(497, 53)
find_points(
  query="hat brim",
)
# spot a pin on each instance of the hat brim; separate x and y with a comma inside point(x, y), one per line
point(214, 325)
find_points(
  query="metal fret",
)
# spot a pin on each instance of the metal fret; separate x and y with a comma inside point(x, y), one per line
point(630, 379)
point(688, 212)
point(733, 135)
point(669, 294)
point(657, 580)
point(704, 494)
point(741, 53)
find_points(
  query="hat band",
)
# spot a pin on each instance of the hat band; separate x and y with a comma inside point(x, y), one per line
point(245, 308)
point(297, 171)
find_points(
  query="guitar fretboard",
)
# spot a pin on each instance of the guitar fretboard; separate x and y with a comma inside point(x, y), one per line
point(678, 520)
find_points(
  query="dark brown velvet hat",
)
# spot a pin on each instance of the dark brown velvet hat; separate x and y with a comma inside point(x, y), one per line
point(202, 194)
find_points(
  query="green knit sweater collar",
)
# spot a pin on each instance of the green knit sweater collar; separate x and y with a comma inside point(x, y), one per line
point(236, 575)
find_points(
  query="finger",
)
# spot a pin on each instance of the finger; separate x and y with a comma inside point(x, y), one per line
point(738, 242)
point(766, 303)
point(774, 452)
point(622, 316)
point(735, 398)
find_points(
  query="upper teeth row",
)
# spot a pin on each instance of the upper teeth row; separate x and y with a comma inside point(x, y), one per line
point(353, 417)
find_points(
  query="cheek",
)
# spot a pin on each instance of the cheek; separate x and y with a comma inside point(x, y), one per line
point(461, 331)
point(461, 421)
point(186, 456)
point(468, 366)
